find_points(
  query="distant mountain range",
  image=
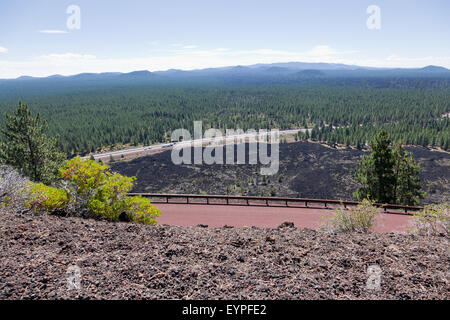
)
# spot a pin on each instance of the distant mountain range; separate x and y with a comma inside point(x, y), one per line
point(257, 74)
point(286, 68)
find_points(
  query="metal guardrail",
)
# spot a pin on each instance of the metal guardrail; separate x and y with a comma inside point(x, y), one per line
point(270, 201)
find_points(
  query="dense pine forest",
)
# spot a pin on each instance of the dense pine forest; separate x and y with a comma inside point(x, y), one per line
point(348, 112)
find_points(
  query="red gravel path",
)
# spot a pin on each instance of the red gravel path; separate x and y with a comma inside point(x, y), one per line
point(238, 216)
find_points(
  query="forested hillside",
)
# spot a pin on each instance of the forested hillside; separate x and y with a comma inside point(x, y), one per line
point(92, 111)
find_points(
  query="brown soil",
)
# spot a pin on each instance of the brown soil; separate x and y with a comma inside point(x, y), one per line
point(128, 261)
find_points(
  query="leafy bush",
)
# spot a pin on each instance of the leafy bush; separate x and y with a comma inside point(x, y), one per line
point(87, 175)
point(433, 220)
point(48, 199)
point(96, 191)
point(87, 189)
point(360, 218)
point(141, 210)
point(109, 199)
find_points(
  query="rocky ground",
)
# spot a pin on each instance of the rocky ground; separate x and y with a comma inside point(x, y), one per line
point(128, 261)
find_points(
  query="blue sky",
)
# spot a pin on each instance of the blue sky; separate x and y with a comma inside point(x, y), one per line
point(158, 35)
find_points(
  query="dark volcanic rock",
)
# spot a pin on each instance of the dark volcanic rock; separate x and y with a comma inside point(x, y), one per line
point(128, 261)
point(286, 224)
point(307, 170)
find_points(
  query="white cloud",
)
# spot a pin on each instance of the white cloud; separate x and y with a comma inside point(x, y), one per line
point(327, 51)
point(187, 59)
point(67, 56)
point(53, 31)
point(395, 61)
point(190, 47)
point(322, 50)
point(3, 50)
point(420, 60)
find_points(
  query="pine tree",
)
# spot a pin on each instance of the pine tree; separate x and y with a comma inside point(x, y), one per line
point(407, 187)
point(376, 174)
point(389, 175)
point(24, 144)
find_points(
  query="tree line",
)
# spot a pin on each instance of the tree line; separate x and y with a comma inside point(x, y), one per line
point(87, 121)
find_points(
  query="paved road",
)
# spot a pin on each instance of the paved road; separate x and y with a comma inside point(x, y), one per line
point(239, 216)
point(229, 139)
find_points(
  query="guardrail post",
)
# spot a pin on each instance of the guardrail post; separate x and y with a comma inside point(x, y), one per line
point(267, 202)
point(306, 204)
point(287, 204)
point(325, 205)
point(187, 199)
point(167, 199)
point(207, 200)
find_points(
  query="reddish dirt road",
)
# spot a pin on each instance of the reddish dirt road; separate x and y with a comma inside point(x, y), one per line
point(264, 217)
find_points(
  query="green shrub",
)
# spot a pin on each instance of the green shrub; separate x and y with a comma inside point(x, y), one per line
point(47, 199)
point(4, 201)
point(109, 199)
point(104, 193)
point(141, 210)
point(90, 189)
point(87, 175)
point(433, 220)
point(360, 218)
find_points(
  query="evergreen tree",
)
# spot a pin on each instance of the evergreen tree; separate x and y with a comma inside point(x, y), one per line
point(306, 134)
point(407, 188)
point(389, 175)
point(376, 174)
point(24, 144)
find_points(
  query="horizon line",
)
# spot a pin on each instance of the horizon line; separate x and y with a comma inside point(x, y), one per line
point(228, 66)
